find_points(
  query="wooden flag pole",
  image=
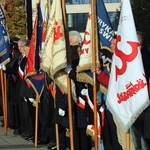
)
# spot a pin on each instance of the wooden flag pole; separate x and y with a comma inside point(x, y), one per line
point(57, 135)
point(128, 140)
point(70, 114)
point(5, 104)
point(68, 79)
point(56, 125)
point(93, 13)
point(36, 120)
point(3, 100)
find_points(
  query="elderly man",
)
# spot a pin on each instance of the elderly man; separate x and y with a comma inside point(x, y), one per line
point(23, 92)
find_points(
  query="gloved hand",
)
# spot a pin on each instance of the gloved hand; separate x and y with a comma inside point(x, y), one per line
point(2, 67)
point(31, 100)
point(61, 112)
point(68, 69)
point(25, 99)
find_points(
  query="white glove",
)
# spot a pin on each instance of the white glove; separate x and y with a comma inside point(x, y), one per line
point(25, 99)
point(2, 67)
point(61, 112)
point(31, 100)
point(68, 69)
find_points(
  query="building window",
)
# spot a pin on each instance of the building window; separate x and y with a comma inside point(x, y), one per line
point(88, 1)
point(77, 16)
point(112, 1)
point(77, 21)
point(77, 1)
point(112, 16)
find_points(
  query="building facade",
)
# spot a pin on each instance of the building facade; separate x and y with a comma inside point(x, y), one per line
point(77, 12)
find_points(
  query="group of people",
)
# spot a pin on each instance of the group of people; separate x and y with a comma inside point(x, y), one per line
point(139, 135)
point(53, 106)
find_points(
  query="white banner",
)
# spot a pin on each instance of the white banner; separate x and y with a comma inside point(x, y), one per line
point(54, 52)
point(127, 92)
point(86, 50)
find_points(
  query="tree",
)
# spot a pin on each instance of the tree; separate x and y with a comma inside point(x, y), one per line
point(16, 18)
point(141, 13)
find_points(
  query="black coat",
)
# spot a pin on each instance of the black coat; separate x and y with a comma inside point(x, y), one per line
point(145, 52)
point(12, 80)
point(81, 117)
point(22, 89)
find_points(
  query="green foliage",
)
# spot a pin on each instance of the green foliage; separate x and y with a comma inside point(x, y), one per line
point(141, 13)
point(16, 18)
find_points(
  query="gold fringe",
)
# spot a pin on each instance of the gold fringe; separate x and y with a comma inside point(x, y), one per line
point(60, 67)
point(30, 74)
point(91, 133)
point(83, 77)
point(34, 88)
point(6, 61)
point(61, 81)
point(3, 52)
point(84, 67)
point(103, 89)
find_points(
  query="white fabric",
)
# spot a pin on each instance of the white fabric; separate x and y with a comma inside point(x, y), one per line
point(20, 72)
point(3, 67)
point(54, 52)
point(31, 100)
point(54, 59)
point(25, 99)
point(61, 112)
point(127, 92)
point(86, 51)
point(85, 92)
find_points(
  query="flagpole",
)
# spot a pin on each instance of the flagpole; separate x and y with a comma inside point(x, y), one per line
point(93, 13)
point(56, 125)
point(128, 140)
point(57, 132)
point(5, 104)
point(3, 100)
point(36, 120)
point(68, 79)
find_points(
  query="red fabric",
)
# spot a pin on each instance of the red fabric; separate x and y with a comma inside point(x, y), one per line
point(102, 116)
point(103, 78)
point(30, 68)
point(52, 90)
point(81, 103)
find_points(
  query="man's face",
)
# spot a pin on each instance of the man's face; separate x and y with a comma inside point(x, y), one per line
point(26, 50)
point(21, 47)
point(113, 45)
point(72, 41)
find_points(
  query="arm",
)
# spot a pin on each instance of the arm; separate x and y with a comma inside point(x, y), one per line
point(103, 78)
point(11, 70)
